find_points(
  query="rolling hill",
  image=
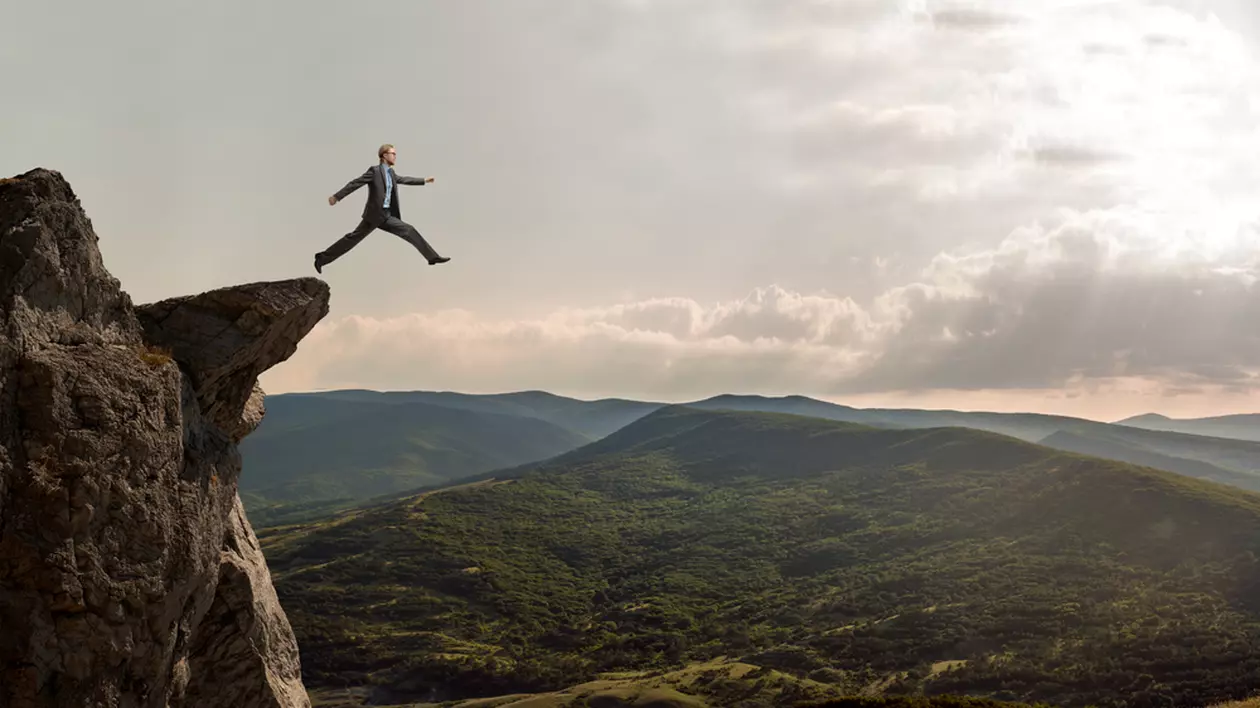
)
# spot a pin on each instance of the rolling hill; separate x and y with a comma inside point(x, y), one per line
point(794, 405)
point(1116, 448)
point(330, 454)
point(1242, 427)
point(885, 561)
point(294, 470)
point(593, 419)
point(1228, 460)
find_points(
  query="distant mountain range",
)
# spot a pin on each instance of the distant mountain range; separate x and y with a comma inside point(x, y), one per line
point(826, 558)
point(316, 452)
point(594, 419)
point(1243, 427)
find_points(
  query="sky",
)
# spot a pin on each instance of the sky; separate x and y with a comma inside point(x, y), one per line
point(1045, 206)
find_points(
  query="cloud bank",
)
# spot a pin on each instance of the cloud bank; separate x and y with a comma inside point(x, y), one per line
point(1087, 298)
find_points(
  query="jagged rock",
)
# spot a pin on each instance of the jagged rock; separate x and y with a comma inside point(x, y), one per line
point(226, 338)
point(53, 283)
point(244, 623)
point(129, 575)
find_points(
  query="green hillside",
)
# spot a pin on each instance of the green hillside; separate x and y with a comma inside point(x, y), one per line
point(721, 682)
point(1238, 460)
point(1112, 447)
point(794, 405)
point(593, 419)
point(282, 484)
point(876, 561)
point(329, 454)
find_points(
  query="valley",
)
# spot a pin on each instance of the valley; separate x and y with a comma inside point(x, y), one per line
point(884, 561)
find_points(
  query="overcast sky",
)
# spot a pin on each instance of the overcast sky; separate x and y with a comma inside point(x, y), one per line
point(1018, 205)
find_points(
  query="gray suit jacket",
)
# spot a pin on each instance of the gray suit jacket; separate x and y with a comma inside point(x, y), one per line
point(374, 178)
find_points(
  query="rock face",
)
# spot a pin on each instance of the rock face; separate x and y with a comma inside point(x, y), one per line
point(129, 575)
point(244, 653)
point(226, 338)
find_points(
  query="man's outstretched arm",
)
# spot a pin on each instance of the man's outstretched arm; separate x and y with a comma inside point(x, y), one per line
point(351, 186)
point(413, 180)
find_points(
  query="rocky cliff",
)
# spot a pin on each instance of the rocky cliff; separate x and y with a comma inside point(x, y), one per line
point(129, 574)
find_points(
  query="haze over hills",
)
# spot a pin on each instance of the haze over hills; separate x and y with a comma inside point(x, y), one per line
point(1244, 426)
point(319, 452)
point(1116, 448)
point(594, 419)
point(336, 452)
point(908, 560)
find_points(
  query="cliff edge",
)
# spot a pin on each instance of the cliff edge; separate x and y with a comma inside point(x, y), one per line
point(129, 574)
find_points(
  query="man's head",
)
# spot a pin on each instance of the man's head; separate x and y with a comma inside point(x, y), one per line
point(386, 154)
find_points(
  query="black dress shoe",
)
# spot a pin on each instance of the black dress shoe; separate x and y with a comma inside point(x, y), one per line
point(439, 259)
point(319, 265)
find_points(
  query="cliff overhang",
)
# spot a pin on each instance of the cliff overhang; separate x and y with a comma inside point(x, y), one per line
point(129, 573)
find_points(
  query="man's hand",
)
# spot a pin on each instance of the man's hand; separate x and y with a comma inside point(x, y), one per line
point(332, 200)
point(429, 179)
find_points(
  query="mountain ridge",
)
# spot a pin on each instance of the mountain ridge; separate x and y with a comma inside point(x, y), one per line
point(1243, 426)
point(379, 449)
point(1230, 460)
point(802, 545)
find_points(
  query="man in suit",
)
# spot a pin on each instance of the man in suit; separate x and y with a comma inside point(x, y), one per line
point(380, 212)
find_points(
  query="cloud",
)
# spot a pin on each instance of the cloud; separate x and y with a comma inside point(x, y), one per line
point(1053, 196)
point(657, 347)
point(973, 19)
point(821, 196)
point(1089, 298)
point(1093, 297)
point(1073, 156)
point(867, 138)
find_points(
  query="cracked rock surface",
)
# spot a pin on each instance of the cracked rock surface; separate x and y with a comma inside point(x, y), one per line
point(129, 574)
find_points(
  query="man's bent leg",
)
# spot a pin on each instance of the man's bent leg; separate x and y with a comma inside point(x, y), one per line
point(408, 233)
point(343, 244)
